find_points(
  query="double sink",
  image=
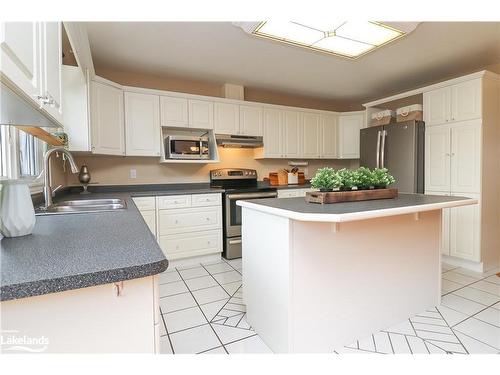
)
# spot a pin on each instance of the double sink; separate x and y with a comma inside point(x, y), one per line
point(83, 206)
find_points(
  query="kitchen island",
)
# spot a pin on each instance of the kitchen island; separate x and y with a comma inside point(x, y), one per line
point(317, 277)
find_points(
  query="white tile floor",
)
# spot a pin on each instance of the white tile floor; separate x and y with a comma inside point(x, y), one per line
point(203, 312)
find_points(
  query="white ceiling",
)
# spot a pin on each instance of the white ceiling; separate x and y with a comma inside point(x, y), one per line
point(221, 52)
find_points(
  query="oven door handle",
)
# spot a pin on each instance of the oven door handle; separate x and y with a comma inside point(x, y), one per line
point(252, 195)
point(234, 242)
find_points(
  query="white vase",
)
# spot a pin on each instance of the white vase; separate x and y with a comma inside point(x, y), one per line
point(17, 215)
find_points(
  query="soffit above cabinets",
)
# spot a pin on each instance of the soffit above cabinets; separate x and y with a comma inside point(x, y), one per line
point(221, 52)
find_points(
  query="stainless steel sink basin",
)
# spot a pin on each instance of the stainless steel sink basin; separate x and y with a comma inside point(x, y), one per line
point(83, 206)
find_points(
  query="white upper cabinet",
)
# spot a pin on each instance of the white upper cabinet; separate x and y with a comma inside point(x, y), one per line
point(250, 120)
point(466, 100)
point(201, 114)
point(292, 134)
point(466, 157)
point(458, 102)
point(142, 124)
point(349, 127)
point(174, 111)
point(106, 117)
point(20, 55)
point(310, 135)
point(52, 56)
point(437, 158)
point(273, 137)
point(227, 118)
point(453, 157)
point(437, 106)
point(328, 136)
point(30, 57)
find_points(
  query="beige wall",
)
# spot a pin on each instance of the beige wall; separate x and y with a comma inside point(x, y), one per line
point(115, 169)
point(191, 86)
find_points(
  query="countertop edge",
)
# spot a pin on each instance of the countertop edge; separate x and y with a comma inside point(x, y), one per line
point(62, 284)
point(354, 216)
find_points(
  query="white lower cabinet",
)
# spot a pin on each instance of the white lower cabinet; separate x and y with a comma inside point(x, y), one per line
point(89, 320)
point(192, 244)
point(465, 224)
point(460, 232)
point(189, 225)
point(147, 208)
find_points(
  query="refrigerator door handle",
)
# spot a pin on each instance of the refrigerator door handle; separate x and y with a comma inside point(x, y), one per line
point(382, 156)
point(378, 148)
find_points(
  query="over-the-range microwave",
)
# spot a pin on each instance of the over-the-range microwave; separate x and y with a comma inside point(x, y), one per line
point(186, 147)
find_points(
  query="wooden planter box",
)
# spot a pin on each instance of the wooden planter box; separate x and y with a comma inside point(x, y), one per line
point(350, 196)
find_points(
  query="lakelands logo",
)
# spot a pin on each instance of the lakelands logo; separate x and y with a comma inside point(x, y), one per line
point(13, 341)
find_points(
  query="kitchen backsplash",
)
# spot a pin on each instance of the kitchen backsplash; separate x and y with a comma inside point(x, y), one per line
point(117, 170)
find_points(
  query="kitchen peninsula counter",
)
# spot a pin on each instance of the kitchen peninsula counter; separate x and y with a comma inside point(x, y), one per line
point(317, 277)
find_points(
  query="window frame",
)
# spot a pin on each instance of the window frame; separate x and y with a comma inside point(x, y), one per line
point(11, 155)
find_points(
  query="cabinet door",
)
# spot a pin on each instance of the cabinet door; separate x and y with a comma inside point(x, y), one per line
point(174, 111)
point(310, 135)
point(466, 157)
point(250, 120)
point(273, 137)
point(437, 158)
point(201, 114)
point(150, 219)
point(328, 136)
point(437, 106)
point(52, 63)
point(349, 127)
point(20, 55)
point(466, 100)
point(292, 134)
point(465, 231)
point(142, 124)
point(106, 113)
point(227, 118)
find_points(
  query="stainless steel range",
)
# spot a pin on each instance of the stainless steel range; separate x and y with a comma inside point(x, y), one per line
point(239, 184)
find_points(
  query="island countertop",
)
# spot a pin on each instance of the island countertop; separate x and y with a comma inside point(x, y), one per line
point(299, 209)
point(73, 251)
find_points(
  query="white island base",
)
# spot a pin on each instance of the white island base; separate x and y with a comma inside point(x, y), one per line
point(313, 286)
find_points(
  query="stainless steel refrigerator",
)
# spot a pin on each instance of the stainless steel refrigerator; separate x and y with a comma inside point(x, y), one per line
point(399, 148)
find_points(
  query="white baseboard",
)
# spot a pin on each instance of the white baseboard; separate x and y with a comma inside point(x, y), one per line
point(468, 264)
point(193, 261)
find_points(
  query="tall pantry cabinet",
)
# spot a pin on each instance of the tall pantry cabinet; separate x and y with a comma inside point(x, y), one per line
point(462, 158)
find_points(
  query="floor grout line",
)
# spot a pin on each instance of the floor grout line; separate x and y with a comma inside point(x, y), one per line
point(203, 313)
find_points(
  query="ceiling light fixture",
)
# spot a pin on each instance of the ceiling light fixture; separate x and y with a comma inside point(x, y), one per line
point(350, 39)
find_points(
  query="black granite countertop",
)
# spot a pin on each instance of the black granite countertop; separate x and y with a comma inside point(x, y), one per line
point(75, 251)
point(299, 209)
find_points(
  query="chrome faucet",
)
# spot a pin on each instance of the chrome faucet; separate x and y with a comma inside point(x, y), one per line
point(47, 189)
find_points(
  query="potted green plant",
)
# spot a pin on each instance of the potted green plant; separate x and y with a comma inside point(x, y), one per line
point(349, 179)
point(381, 178)
point(326, 179)
point(365, 178)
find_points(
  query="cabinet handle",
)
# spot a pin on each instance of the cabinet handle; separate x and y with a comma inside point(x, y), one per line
point(208, 219)
point(176, 222)
point(119, 288)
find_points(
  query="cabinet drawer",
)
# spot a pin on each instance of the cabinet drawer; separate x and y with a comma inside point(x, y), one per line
point(174, 201)
point(145, 203)
point(189, 220)
point(289, 193)
point(190, 244)
point(201, 200)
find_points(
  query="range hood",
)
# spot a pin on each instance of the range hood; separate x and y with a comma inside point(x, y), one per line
point(238, 141)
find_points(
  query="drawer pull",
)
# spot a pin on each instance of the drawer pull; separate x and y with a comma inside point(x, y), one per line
point(177, 222)
point(208, 219)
